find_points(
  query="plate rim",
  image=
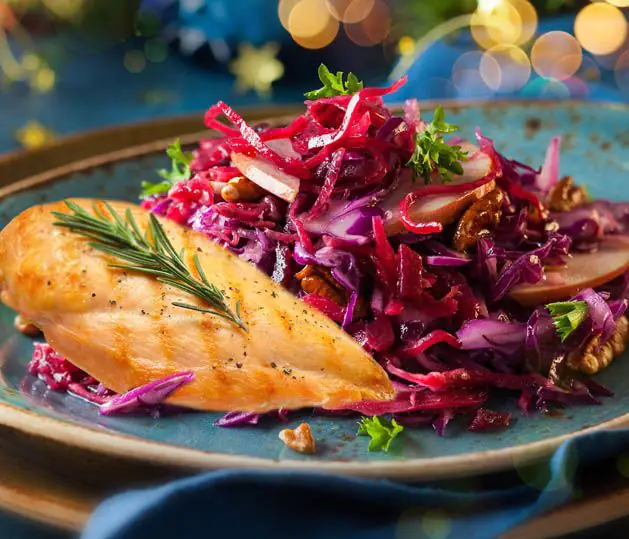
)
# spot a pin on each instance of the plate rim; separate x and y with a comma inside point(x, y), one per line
point(127, 446)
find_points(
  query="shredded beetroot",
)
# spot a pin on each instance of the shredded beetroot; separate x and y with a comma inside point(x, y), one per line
point(328, 185)
point(352, 111)
point(463, 378)
point(328, 307)
point(422, 344)
point(253, 139)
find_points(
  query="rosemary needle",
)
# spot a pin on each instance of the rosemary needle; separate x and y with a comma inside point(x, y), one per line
point(150, 253)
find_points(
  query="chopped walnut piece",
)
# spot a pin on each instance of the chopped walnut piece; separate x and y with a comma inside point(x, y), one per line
point(320, 281)
point(483, 215)
point(594, 357)
point(25, 327)
point(241, 189)
point(299, 439)
point(566, 196)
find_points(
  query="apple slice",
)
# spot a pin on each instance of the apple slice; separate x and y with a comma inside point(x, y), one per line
point(267, 176)
point(442, 208)
point(284, 147)
point(586, 270)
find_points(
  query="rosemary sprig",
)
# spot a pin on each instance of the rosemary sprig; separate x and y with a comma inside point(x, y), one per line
point(151, 253)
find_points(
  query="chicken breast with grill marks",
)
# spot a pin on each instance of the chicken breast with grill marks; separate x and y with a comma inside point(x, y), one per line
point(121, 327)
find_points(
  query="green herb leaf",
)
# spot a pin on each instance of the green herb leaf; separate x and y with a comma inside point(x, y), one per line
point(150, 253)
point(179, 171)
point(567, 316)
point(381, 432)
point(334, 85)
point(433, 153)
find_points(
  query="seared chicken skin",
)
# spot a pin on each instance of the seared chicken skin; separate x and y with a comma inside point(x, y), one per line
point(121, 326)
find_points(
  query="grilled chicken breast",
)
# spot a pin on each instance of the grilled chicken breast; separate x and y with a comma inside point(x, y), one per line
point(121, 327)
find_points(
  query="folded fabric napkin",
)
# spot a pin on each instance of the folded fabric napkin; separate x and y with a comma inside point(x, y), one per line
point(247, 504)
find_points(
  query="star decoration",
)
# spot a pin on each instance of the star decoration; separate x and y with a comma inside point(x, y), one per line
point(34, 135)
point(257, 68)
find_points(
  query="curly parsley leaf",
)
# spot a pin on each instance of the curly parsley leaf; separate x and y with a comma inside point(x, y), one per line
point(179, 171)
point(381, 432)
point(334, 85)
point(567, 316)
point(433, 153)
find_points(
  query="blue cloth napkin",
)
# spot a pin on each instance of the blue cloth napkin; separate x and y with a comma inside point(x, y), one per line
point(250, 504)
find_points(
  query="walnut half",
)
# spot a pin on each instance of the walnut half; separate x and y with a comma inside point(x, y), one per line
point(299, 439)
point(566, 196)
point(593, 357)
point(483, 215)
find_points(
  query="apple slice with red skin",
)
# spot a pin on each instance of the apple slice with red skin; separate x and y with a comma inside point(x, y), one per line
point(582, 270)
point(267, 176)
point(444, 209)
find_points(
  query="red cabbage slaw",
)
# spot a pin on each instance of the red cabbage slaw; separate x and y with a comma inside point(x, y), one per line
point(439, 321)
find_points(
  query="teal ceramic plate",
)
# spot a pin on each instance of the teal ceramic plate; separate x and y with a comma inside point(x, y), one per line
point(595, 150)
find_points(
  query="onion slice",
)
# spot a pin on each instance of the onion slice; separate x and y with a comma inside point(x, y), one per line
point(267, 176)
point(582, 270)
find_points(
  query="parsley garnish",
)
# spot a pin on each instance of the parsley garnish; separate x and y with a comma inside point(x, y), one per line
point(433, 153)
point(180, 171)
point(380, 431)
point(334, 85)
point(567, 316)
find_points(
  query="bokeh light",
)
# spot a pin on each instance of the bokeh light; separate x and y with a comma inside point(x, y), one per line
point(505, 68)
point(308, 18)
point(556, 89)
point(601, 28)
point(503, 22)
point(156, 50)
point(556, 55)
point(65, 9)
point(134, 61)
point(310, 23)
point(621, 72)
point(406, 46)
point(350, 11)
point(284, 9)
point(43, 80)
point(466, 75)
point(374, 28)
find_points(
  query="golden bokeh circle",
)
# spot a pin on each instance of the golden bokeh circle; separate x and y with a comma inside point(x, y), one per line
point(601, 28)
point(308, 19)
point(350, 11)
point(505, 68)
point(322, 39)
point(556, 55)
point(374, 28)
point(284, 9)
point(502, 24)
